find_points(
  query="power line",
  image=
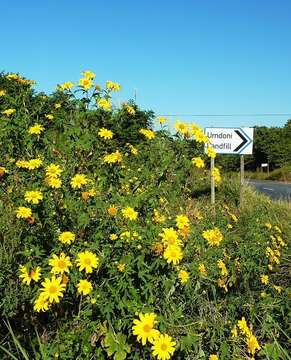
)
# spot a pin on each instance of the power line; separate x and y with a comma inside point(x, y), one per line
point(230, 115)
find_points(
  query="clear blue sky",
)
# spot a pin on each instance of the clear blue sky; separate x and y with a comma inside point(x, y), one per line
point(187, 56)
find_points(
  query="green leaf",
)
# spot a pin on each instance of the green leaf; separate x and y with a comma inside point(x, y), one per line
point(116, 345)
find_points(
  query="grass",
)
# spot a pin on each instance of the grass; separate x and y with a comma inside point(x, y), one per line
point(282, 174)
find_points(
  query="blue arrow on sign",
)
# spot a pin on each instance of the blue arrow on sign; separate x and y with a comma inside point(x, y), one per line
point(246, 140)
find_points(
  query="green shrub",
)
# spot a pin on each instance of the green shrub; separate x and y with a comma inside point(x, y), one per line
point(126, 213)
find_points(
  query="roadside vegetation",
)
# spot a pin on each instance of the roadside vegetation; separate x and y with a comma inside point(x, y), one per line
point(109, 246)
point(281, 174)
point(272, 146)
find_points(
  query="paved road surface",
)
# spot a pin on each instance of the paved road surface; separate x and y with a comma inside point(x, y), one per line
point(275, 189)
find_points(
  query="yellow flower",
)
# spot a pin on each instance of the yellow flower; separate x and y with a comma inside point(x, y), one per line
point(112, 85)
point(105, 133)
point(53, 182)
point(234, 332)
point(23, 212)
point(268, 226)
point(20, 79)
point(104, 104)
point(8, 112)
point(27, 275)
point(161, 119)
point(222, 267)
point(182, 221)
point(163, 347)
point(49, 116)
point(143, 328)
point(130, 109)
point(60, 264)
point(68, 85)
point(113, 237)
point(221, 283)
point(57, 105)
point(173, 254)
point(278, 288)
point(243, 326)
point(216, 175)
point(22, 164)
point(200, 136)
point(213, 357)
point(181, 127)
point(183, 276)
point(78, 181)
point(115, 157)
point(84, 287)
point(132, 149)
point(67, 237)
point(87, 261)
point(112, 210)
point(3, 171)
point(158, 218)
point(13, 76)
point(2, 93)
point(253, 344)
point(170, 237)
point(211, 152)
point(53, 289)
point(88, 74)
point(34, 164)
point(149, 134)
point(264, 279)
point(213, 237)
point(202, 268)
point(36, 129)
point(53, 170)
point(198, 162)
point(41, 303)
point(276, 228)
point(86, 83)
point(92, 192)
point(33, 197)
point(121, 267)
point(129, 213)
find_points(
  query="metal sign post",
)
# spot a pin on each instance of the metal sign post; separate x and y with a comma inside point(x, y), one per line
point(266, 165)
point(242, 169)
point(212, 181)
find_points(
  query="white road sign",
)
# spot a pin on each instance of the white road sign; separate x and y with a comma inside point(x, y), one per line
point(231, 140)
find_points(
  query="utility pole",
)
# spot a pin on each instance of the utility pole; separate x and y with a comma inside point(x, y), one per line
point(135, 95)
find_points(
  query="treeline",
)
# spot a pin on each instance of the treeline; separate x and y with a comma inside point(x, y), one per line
point(272, 145)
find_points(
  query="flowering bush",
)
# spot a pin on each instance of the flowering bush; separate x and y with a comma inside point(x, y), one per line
point(109, 246)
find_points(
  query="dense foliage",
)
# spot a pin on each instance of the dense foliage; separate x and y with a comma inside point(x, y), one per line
point(110, 248)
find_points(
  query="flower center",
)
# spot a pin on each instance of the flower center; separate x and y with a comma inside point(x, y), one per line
point(164, 347)
point(87, 261)
point(147, 328)
point(61, 264)
point(52, 289)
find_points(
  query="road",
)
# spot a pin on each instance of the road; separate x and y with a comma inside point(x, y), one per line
point(274, 189)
